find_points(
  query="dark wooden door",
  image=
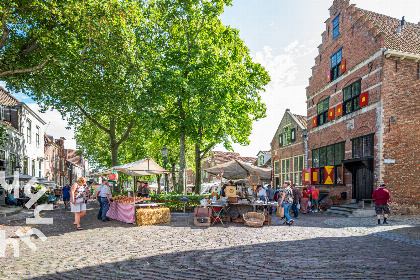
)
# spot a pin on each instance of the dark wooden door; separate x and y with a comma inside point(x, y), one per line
point(363, 182)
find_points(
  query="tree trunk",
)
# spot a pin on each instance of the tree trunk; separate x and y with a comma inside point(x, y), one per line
point(113, 143)
point(197, 183)
point(181, 180)
point(158, 181)
point(174, 184)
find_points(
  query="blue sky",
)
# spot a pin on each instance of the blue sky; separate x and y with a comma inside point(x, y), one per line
point(283, 36)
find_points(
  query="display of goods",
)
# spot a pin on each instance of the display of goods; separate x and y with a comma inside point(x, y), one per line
point(126, 200)
point(233, 199)
point(152, 216)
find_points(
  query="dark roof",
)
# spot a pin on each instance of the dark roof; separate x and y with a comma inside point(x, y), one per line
point(222, 157)
point(6, 99)
point(301, 119)
point(407, 41)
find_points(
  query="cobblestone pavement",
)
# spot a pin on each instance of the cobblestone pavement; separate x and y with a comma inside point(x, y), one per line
point(317, 246)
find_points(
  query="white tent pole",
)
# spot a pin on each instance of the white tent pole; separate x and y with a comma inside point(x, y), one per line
point(134, 196)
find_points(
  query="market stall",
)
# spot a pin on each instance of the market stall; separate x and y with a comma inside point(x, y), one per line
point(129, 209)
point(241, 197)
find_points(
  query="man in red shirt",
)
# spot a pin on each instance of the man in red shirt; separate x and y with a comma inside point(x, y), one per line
point(315, 198)
point(382, 196)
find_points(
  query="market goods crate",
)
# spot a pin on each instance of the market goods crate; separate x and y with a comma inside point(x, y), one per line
point(202, 221)
point(152, 216)
point(267, 221)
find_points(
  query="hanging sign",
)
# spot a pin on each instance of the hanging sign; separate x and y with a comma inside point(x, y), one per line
point(113, 177)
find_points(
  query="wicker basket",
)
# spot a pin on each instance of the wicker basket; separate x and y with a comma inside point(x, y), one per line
point(254, 219)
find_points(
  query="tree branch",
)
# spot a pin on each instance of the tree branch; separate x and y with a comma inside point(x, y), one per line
point(201, 26)
point(5, 32)
point(95, 122)
point(209, 147)
point(127, 133)
point(27, 70)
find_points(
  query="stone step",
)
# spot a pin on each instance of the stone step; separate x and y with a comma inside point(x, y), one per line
point(350, 206)
point(338, 208)
point(338, 212)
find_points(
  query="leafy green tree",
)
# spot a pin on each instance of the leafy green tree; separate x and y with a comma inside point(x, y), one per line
point(211, 84)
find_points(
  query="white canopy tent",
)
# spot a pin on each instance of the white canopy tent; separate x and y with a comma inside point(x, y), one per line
point(142, 167)
point(236, 169)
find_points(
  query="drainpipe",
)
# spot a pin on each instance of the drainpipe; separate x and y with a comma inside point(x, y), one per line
point(305, 135)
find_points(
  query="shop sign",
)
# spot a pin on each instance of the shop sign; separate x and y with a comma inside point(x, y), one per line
point(184, 198)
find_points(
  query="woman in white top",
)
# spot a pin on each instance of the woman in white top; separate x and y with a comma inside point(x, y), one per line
point(77, 199)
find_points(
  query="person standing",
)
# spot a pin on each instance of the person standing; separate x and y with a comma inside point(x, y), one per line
point(270, 193)
point(77, 198)
point(106, 200)
point(57, 193)
point(98, 197)
point(304, 200)
point(65, 192)
point(286, 202)
point(382, 197)
point(296, 199)
point(144, 191)
point(315, 198)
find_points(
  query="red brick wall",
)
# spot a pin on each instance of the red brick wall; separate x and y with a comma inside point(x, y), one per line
point(401, 98)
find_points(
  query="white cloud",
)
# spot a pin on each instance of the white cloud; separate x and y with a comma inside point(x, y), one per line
point(56, 126)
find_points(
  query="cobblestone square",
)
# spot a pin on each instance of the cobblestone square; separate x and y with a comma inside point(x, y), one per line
point(317, 246)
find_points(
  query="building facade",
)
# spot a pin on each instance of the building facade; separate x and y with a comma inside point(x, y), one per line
point(264, 159)
point(55, 160)
point(23, 151)
point(288, 150)
point(362, 107)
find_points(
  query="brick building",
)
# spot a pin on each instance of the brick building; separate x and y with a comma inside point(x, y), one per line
point(363, 107)
point(288, 150)
point(55, 167)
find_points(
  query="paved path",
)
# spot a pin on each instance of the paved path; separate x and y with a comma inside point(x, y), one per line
point(315, 247)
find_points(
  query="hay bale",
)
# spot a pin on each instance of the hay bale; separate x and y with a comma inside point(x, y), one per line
point(152, 216)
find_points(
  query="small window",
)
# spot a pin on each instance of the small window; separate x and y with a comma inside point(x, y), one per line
point(363, 146)
point(351, 95)
point(287, 135)
point(336, 27)
point(336, 64)
point(39, 169)
point(28, 132)
point(25, 166)
point(33, 167)
point(37, 136)
point(322, 113)
point(13, 162)
point(276, 167)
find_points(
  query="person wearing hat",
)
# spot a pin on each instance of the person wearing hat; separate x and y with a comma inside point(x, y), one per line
point(144, 189)
point(382, 196)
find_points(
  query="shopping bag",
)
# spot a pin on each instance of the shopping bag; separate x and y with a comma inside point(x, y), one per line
point(280, 211)
point(298, 206)
point(309, 203)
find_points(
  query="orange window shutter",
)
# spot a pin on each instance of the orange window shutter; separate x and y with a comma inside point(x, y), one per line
point(331, 114)
point(343, 66)
point(314, 176)
point(329, 76)
point(364, 99)
point(314, 121)
point(339, 110)
point(328, 175)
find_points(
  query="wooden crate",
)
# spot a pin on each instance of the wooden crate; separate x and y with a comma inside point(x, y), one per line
point(267, 221)
point(199, 224)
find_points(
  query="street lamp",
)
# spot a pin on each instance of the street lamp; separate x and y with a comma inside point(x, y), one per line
point(165, 153)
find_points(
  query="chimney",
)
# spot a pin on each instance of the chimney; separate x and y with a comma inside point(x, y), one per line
point(402, 22)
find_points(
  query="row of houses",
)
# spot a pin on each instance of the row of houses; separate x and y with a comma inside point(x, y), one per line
point(362, 123)
point(29, 150)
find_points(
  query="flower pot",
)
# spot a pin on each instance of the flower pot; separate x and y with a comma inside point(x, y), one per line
point(336, 202)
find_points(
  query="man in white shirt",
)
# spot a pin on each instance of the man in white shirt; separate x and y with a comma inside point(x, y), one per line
point(106, 199)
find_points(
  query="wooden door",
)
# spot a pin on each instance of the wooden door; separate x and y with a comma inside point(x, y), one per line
point(362, 182)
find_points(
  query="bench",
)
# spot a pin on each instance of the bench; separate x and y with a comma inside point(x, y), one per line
point(371, 200)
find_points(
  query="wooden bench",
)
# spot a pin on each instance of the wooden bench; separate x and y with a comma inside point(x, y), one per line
point(371, 200)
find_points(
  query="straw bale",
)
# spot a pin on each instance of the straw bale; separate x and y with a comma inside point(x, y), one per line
point(152, 216)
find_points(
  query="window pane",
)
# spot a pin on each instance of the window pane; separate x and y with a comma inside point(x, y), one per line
point(296, 164)
point(287, 165)
point(347, 93)
point(322, 156)
point(339, 174)
point(336, 32)
point(300, 163)
point(320, 107)
point(356, 88)
point(356, 103)
point(300, 178)
point(326, 104)
point(367, 146)
point(330, 155)
point(315, 158)
point(336, 21)
point(321, 175)
point(296, 179)
point(357, 147)
point(339, 56)
point(333, 61)
point(276, 167)
point(283, 166)
point(347, 107)
point(339, 153)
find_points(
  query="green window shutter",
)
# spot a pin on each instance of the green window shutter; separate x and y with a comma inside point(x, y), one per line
point(280, 140)
point(293, 134)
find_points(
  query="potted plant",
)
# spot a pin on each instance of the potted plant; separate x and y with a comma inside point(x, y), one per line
point(335, 199)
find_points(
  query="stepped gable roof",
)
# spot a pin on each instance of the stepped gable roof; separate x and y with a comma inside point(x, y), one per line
point(407, 41)
point(301, 120)
point(6, 99)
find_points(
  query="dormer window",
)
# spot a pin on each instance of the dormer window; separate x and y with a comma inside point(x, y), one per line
point(336, 27)
point(336, 64)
